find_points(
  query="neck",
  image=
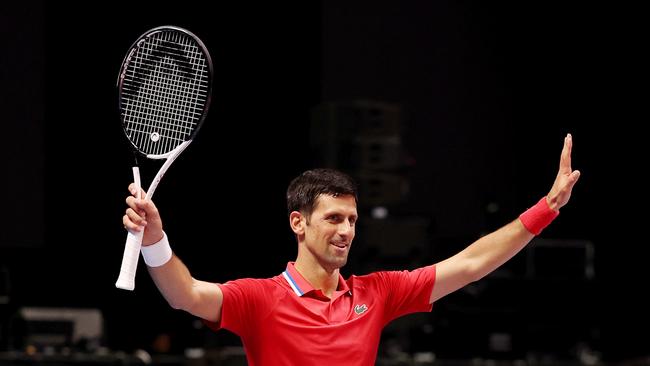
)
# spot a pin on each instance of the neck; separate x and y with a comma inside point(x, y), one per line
point(326, 280)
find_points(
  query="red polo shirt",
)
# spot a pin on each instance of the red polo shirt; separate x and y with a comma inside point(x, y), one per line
point(284, 321)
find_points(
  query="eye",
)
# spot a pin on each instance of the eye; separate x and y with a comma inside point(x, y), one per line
point(334, 218)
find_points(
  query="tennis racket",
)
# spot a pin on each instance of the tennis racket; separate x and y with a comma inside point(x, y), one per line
point(164, 89)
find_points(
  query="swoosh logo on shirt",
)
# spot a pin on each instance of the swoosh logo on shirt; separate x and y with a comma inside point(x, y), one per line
point(360, 309)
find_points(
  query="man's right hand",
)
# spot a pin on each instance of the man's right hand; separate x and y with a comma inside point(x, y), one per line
point(142, 215)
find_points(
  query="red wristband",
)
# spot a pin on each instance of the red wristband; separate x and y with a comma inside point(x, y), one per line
point(536, 218)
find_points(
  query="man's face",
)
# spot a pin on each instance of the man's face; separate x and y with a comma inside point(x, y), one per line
point(330, 230)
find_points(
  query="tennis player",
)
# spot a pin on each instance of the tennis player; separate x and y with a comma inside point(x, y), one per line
point(309, 314)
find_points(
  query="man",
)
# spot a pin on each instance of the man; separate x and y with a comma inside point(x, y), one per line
point(309, 314)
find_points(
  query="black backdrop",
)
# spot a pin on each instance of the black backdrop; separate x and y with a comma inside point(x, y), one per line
point(491, 91)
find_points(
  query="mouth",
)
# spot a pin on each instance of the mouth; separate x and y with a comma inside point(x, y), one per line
point(341, 245)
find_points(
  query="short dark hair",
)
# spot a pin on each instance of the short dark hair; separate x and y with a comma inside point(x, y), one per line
point(305, 188)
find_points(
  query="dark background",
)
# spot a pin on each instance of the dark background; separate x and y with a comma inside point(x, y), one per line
point(488, 91)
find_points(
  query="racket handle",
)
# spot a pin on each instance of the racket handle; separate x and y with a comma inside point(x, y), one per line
point(126, 279)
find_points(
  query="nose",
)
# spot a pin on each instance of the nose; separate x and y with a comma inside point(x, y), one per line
point(346, 229)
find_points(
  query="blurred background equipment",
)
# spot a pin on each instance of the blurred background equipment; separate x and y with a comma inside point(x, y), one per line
point(57, 328)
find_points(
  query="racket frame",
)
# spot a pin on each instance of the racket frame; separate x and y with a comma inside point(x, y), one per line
point(130, 258)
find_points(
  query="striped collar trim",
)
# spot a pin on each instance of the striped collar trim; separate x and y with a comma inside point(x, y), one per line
point(292, 283)
point(300, 286)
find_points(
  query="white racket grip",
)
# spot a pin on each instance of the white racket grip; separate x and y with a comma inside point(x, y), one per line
point(126, 279)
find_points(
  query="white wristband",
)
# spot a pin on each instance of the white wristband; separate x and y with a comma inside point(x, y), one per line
point(157, 254)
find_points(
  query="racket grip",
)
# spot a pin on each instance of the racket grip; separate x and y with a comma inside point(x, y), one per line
point(126, 279)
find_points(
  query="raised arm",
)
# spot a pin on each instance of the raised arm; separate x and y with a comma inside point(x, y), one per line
point(173, 279)
point(492, 250)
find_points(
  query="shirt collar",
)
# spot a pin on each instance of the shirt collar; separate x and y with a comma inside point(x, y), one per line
point(301, 286)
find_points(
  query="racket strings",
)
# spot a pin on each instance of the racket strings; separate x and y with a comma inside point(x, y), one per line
point(165, 91)
point(171, 99)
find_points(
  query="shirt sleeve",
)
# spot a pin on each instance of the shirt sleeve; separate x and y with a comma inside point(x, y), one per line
point(407, 292)
point(245, 301)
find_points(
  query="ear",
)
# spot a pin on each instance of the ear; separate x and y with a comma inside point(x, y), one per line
point(297, 222)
